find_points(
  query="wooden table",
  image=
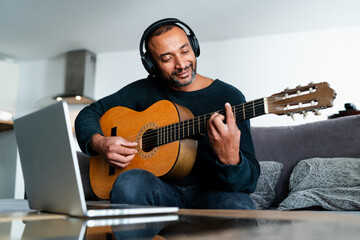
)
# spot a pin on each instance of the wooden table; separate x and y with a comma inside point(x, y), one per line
point(190, 224)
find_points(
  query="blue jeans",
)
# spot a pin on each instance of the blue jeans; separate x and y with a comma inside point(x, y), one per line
point(141, 187)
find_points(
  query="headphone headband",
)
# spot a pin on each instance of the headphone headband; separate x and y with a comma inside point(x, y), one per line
point(146, 58)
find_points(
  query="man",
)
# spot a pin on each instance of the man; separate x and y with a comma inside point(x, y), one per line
point(225, 170)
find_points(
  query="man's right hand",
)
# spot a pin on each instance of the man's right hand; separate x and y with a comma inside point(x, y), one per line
point(116, 150)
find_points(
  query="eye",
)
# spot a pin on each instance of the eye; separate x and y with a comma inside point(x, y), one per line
point(166, 59)
point(185, 51)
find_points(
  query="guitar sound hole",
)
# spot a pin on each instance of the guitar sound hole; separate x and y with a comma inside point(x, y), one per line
point(149, 140)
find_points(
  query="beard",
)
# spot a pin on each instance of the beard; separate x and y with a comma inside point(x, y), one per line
point(174, 82)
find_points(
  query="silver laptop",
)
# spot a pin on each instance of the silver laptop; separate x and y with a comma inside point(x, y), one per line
point(51, 171)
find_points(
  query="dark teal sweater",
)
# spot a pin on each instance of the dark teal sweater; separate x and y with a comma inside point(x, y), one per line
point(207, 169)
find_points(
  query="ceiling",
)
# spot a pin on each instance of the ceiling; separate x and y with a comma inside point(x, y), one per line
point(43, 29)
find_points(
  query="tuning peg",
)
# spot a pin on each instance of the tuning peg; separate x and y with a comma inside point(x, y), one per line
point(291, 115)
point(316, 112)
point(304, 113)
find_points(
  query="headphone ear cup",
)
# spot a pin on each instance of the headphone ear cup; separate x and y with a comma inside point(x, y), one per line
point(194, 44)
point(148, 63)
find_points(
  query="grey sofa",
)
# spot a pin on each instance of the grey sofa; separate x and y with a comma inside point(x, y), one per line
point(288, 145)
point(336, 138)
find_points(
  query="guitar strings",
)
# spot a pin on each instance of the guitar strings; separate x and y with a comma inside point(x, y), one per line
point(171, 130)
point(207, 116)
point(175, 129)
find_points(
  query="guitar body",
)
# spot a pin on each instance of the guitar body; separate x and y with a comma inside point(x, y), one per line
point(173, 160)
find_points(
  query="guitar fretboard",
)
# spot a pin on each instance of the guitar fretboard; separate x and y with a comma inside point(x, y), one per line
point(198, 125)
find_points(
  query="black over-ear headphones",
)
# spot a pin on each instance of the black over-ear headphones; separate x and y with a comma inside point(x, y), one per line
point(146, 58)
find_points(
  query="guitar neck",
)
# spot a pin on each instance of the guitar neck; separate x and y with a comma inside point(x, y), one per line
point(198, 125)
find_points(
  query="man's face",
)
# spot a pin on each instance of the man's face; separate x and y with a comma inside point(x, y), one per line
point(174, 57)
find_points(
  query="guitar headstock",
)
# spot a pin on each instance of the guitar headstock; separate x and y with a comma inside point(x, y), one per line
point(302, 99)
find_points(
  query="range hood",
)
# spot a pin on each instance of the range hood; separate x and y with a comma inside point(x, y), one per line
point(80, 77)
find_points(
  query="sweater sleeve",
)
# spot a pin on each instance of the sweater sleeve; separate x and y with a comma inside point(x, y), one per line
point(87, 123)
point(242, 177)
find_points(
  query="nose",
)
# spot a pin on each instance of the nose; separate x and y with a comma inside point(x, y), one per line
point(180, 62)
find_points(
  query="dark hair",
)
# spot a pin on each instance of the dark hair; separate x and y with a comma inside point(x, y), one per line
point(157, 32)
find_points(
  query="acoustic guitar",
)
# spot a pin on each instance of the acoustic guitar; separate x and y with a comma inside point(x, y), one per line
point(166, 132)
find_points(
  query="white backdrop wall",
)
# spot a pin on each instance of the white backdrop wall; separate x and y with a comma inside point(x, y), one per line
point(8, 94)
point(264, 65)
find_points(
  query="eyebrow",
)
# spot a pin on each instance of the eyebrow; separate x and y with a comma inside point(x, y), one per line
point(167, 53)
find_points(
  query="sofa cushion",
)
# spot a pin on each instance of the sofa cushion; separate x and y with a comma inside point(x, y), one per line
point(264, 194)
point(289, 144)
point(326, 183)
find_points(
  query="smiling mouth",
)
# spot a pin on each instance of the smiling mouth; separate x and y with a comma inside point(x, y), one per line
point(184, 73)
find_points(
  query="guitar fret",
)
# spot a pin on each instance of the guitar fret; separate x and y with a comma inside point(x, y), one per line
point(176, 130)
point(205, 122)
point(253, 108)
point(165, 135)
point(159, 136)
point(183, 129)
point(192, 127)
point(234, 111)
point(171, 133)
point(168, 133)
point(243, 106)
point(199, 125)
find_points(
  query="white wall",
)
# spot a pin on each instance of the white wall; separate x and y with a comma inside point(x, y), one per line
point(261, 66)
point(115, 70)
point(9, 84)
point(8, 155)
point(39, 81)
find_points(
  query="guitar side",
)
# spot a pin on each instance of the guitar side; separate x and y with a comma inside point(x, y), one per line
point(173, 160)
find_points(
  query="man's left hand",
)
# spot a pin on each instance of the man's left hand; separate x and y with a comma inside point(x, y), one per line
point(225, 136)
